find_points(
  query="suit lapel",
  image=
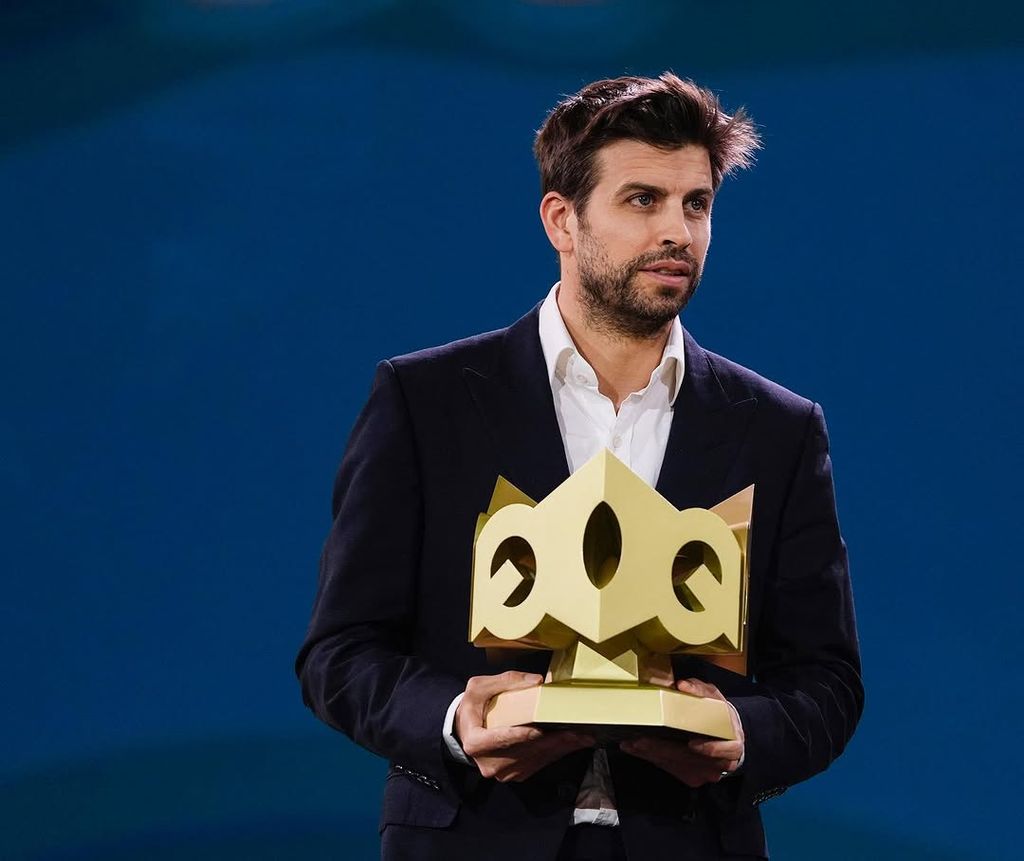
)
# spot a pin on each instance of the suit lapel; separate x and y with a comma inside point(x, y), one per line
point(514, 399)
point(708, 427)
point(517, 407)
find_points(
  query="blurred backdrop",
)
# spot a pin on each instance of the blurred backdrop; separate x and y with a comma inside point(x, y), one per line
point(215, 217)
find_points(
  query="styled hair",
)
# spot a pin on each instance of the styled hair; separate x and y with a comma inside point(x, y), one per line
point(667, 112)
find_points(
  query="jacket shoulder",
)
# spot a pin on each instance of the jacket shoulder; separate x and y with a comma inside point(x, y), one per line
point(743, 383)
point(477, 351)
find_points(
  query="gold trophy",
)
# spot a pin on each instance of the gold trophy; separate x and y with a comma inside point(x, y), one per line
point(613, 579)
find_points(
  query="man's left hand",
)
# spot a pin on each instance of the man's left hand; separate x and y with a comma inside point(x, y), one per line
point(698, 761)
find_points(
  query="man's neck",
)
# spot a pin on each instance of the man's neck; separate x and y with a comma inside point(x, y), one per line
point(623, 365)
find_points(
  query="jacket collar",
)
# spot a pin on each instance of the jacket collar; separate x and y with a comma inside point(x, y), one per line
point(515, 400)
point(708, 426)
point(514, 397)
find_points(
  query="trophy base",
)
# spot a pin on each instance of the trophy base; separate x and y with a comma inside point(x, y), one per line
point(612, 712)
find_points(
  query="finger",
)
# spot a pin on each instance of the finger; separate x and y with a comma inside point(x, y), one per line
point(699, 688)
point(653, 749)
point(562, 742)
point(657, 750)
point(633, 748)
point(704, 745)
point(523, 741)
point(716, 747)
point(498, 768)
point(543, 747)
point(482, 742)
point(677, 760)
point(482, 688)
point(522, 761)
point(544, 751)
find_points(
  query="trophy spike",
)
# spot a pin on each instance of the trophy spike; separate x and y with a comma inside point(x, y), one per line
point(737, 509)
point(506, 493)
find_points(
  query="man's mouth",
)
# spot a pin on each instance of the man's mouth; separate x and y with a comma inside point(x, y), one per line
point(670, 273)
point(671, 268)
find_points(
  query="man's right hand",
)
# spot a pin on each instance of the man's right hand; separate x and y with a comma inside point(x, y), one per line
point(511, 753)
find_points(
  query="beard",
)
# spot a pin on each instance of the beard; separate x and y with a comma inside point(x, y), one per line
point(614, 302)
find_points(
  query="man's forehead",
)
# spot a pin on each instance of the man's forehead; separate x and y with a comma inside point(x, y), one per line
point(635, 161)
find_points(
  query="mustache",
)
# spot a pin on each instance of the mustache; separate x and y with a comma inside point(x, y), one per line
point(679, 255)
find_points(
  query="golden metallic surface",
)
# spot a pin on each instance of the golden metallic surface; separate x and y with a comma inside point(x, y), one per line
point(595, 708)
point(613, 578)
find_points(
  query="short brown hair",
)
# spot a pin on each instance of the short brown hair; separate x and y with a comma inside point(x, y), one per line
point(667, 112)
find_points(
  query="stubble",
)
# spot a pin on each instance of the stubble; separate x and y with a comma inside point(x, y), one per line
point(612, 300)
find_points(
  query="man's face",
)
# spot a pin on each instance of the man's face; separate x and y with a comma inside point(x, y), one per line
point(641, 240)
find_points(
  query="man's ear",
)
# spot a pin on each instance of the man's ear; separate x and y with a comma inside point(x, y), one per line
point(556, 214)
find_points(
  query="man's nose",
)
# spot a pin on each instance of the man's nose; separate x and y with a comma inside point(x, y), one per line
point(675, 231)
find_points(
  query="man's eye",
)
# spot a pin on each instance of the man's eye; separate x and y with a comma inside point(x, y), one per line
point(643, 200)
point(699, 204)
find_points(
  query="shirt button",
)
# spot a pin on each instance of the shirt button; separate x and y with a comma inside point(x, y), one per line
point(616, 441)
point(581, 379)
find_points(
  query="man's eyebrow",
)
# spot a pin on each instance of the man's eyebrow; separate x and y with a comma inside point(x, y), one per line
point(643, 187)
point(699, 192)
point(658, 191)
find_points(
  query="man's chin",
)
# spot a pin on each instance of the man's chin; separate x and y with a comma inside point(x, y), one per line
point(646, 321)
point(665, 298)
point(666, 304)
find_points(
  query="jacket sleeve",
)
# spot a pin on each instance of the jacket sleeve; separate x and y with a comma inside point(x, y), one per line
point(356, 668)
point(808, 695)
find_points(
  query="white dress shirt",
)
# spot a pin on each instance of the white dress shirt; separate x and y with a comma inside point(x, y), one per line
point(637, 435)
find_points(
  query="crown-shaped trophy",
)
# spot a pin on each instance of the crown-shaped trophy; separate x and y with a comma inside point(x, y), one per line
point(614, 579)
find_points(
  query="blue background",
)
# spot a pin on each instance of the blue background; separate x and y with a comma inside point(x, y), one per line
point(215, 218)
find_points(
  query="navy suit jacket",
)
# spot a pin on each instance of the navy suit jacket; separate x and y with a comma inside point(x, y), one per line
point(387, 650)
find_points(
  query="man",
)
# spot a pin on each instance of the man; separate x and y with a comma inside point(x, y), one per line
point(630, 168)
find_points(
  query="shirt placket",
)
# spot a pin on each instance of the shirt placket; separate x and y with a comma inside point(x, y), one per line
point(620, 436)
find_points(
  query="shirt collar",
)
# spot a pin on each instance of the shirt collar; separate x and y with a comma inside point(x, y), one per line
point(558, 347)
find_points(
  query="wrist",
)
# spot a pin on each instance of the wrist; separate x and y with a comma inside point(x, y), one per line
point(449, 732)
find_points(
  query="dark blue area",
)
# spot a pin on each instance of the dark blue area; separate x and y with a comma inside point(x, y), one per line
point(198, 280)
